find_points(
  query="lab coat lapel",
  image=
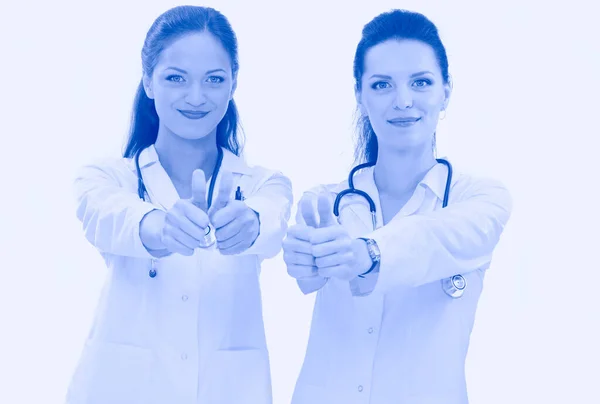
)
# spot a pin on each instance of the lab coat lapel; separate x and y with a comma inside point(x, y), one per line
point(159, 186)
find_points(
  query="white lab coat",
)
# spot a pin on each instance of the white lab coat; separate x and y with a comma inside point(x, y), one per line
point(194, 333)
point(395, 336)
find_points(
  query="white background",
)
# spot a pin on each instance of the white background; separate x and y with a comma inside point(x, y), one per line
point(524, 111)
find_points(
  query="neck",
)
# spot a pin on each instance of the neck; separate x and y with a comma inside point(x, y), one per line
point(398, 173)
point(180, 157)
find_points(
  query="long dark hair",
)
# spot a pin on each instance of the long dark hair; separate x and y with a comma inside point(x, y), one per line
point(395, 24)
point(169, 26)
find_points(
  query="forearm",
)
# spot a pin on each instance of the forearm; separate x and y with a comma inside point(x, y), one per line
point(423, 248)
point(110, 215)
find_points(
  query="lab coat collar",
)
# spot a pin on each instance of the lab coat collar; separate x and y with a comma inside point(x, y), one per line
point(159, 186)
point(434, 180)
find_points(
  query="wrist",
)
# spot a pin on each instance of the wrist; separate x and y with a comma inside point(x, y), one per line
point(151, 228)
point(373, 253)
point(257, 226)
point(363, 258)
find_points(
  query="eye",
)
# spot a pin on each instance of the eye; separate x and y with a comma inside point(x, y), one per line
point(215, 80)
point(175, 78)
point(380, 85)
point(422, 83)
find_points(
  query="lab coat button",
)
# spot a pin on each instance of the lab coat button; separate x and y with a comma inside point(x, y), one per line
point(370, 330)
point(184, 356)
point(184, 298)
point(152, 273)
point(360, 388)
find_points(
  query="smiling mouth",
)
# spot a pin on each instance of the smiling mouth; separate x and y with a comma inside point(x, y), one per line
point(403, 122)
point(193, 114)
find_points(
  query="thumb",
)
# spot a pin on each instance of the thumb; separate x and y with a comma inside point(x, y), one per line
point(199, 189)
point(308, 212)
point(326, 216)
point(221, 199)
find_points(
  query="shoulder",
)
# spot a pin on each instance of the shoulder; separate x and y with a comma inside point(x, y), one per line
point(467, 185)
point(115, 168)
point(257, 176)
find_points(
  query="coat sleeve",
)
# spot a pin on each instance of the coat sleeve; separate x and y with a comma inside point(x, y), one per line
point(272, 202)
point(109, 213)
point(460, 238)
point(310, 285)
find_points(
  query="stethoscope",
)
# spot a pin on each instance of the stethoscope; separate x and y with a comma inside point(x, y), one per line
point(209, 237)
point(453, 286)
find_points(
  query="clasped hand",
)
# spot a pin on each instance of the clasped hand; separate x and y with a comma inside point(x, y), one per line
point(236, 226)
point(323, 248)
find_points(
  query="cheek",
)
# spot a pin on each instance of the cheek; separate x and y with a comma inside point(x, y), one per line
point(377, 106)
point(164, 97)
point(432, 103)
point(221, 97)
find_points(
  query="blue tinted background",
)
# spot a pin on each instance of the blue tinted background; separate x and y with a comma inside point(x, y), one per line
point(523, 110)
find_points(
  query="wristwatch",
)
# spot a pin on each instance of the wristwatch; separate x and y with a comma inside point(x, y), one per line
point(374, 253)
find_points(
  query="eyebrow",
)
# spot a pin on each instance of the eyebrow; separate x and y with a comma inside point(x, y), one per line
point(183, 71)
point(383, 76)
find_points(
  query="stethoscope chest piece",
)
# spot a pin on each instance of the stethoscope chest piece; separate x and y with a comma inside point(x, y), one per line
point(209, 238)
point(152, 272)
point(454, 286)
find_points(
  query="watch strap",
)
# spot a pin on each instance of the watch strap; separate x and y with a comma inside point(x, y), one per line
point(374, 256)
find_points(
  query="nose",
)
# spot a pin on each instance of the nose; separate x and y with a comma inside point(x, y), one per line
point(195, 96)
point(403, 98)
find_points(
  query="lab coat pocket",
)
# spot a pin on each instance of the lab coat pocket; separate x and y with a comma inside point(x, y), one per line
point(112, 373)
point(238, 377)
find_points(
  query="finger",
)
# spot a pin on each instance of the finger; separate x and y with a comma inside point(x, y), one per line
point(308, 211)
point(292, 244)
point(302, 271)
point(333, 260)
point(301, 232)
point(325, 208)
point(332, 271)
point(176, 247)
point(229, 231)
point(222, 217)
point(182, 237)
point(240, 237)
point(195, 215)
point(331, 247)
point(235, 248)
point(192, 230)
point(298, 259)
point(177, 219)
point(326, 234)
point(199, 189)
point(225, 186)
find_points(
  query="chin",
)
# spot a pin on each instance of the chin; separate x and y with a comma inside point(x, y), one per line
point(404, 143)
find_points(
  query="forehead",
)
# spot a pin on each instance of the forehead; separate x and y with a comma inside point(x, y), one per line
point(400, 57)
point(197, 52)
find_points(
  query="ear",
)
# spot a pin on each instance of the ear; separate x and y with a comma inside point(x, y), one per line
point(447, 94)
point(358, 96)
point(147, 82)
point(233, 87)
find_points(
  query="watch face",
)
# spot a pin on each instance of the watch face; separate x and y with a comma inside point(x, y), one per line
point(375, 249)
